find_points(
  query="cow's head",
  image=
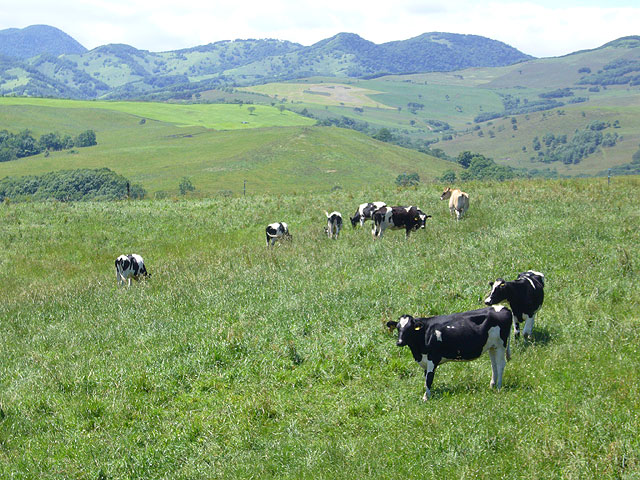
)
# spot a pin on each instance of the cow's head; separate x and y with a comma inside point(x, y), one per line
point(420, 219)
point(408, 329)
point(446, 194)
point(498, 292)
point(355, 220)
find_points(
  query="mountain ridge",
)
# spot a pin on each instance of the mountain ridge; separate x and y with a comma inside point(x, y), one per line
point(123, 71)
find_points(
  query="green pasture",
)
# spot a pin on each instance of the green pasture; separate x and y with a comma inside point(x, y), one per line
point(319, 93)
point(238, 361)
point(514, 147)
point(158, 154)
point(213, 116)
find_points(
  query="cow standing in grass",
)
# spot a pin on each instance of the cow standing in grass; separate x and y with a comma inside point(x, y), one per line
point(395, 218)
point(459, 336)
point(458, 201)
point(334, 224)
point(128, 267)
point(525, 296)
point(277, 231)
point(365, 212)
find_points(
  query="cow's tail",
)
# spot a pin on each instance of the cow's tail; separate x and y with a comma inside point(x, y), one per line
point(326, 213)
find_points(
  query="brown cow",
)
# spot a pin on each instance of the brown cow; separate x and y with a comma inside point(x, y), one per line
point(458, 201)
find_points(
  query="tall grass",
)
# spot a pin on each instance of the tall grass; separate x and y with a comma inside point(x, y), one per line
point(238, 361)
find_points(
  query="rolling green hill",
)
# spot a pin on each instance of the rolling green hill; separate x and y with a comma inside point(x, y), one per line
point(286, 156)
point(498, 112)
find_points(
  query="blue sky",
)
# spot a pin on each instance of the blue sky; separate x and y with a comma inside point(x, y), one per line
point(542, 28)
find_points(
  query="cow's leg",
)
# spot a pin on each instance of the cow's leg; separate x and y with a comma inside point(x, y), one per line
point(428, 378)
point(497, 366)
point(528, 325)
point(494, 366)
point(458, 214)
point(516, 326)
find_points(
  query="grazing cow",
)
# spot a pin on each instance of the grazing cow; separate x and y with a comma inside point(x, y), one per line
point(459, 336)
point(525, 296)
point(365, 212)
point(409, 218)
point(277, 231)
point(128, 267)
point(458, 201)
point(334, 224)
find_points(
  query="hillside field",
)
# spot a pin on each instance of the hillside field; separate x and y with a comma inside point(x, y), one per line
point(238, 361)
point(445, 107)
point(286, 154)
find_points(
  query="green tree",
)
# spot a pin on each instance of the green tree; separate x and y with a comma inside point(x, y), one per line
point(464, 159)
point(384, 135)
point(86, 139)
point(251, 109)
point(404, 180)
point(448, 177)
point(186, 186)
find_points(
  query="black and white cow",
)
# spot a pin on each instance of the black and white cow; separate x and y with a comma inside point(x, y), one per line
point(277, 231)
point(334, 224)
point(525, 296)
point(128, 267)
point(365, 212)
point(409, 218)
point(459, 336)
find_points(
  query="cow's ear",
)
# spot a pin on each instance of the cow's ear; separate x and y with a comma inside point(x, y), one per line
point(419, 325)
point(391, 325)
point(491, 284)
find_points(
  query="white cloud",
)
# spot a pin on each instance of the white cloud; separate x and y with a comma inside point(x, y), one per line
point(537, 27)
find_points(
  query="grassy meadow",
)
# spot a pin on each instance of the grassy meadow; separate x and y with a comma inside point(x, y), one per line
point(158, 153)
point(238, 361)
point(211, 116)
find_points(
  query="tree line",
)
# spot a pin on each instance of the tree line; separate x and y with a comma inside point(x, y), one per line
point(70, 185)
point(24, 144)
point(558, 148)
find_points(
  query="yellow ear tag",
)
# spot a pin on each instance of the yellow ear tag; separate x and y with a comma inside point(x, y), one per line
point(417, 328)
point(416, 219)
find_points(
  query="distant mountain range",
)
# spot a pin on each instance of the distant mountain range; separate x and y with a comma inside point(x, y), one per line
point(44, 61)
point(23, 43)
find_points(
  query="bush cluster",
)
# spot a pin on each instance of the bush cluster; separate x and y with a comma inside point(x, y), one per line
point(584, 143)
point(70, 185)
point(24, 144)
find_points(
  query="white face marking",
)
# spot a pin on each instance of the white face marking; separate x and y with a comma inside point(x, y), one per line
point(493, 289)
point(403, 322)
point(438, 335)
point(497, 308)
point(407, 209)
